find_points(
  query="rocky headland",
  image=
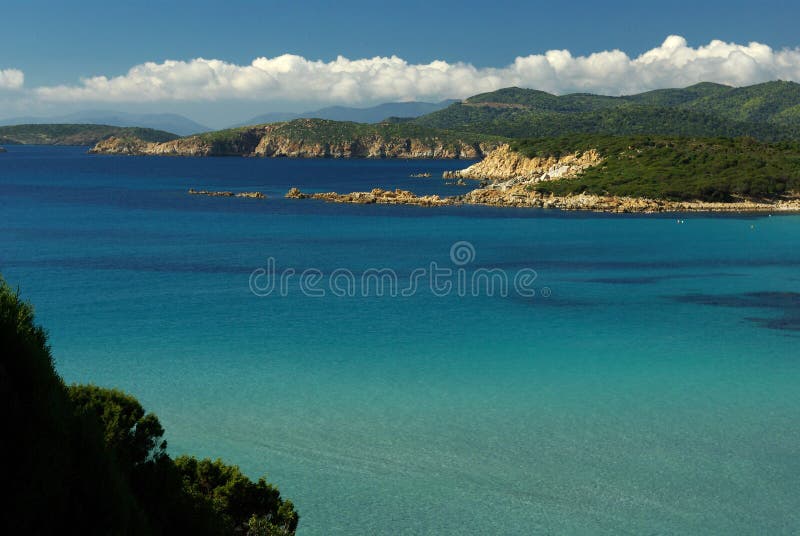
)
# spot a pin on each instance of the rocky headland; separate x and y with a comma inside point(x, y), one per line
point(309, 138)
point(510, 179)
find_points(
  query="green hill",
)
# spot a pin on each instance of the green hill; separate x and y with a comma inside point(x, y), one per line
point(769, 111)
point(326, 131)
point(708, 169)
point(75, 134)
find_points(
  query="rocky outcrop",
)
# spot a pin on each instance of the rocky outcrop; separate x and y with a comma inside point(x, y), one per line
point(249, 195)
point(524, 197)
point(503, 164)
point(115, 145)
point(2, 150)
point(192, 146)
point(377, 195)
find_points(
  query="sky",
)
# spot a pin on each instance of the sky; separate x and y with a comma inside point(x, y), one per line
point(222, 62)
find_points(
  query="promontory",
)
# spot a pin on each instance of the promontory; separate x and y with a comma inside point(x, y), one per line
point(314, 138)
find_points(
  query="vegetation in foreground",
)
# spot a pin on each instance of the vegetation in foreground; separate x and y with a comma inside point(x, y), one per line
point(76, 134)
point(89, 460)
point(707, 169)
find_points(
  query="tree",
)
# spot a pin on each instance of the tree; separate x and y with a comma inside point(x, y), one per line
point(234, 496)
point(133, 435)
point(91, 460)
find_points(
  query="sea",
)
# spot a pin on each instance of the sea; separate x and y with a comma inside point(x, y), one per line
point(409, 370)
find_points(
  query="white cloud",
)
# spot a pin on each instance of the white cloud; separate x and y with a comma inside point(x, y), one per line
point(11, 79)
point(294, 78)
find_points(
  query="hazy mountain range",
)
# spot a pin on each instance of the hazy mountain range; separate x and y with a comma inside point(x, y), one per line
point(373, 114)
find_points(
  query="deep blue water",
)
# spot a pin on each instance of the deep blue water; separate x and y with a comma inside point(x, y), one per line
point(649, 387)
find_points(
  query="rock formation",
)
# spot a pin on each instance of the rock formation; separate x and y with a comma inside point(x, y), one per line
point(377, 195)
point(503, 164)
point(250, 195)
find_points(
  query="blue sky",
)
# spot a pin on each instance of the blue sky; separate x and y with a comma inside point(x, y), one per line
point(59, 43)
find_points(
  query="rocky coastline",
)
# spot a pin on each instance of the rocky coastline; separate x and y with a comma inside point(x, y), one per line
point(520, 197)
point(271, 141)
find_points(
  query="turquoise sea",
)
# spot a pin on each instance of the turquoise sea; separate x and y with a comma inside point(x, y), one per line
point(650, 386)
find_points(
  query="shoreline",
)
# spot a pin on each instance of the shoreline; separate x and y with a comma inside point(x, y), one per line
point(523, 198)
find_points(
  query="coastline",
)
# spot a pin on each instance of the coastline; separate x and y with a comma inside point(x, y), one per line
point(520, 197)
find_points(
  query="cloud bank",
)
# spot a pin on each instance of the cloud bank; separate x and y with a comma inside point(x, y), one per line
point(293, 78)
point(11, 79)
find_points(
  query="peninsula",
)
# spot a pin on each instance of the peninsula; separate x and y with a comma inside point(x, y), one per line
point(621, 174)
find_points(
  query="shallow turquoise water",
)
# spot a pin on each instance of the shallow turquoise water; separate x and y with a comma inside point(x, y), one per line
point(653, 392)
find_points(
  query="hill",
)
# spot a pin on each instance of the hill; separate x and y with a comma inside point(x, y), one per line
point(769, 111)
point(373, 114)
point(317, 138)
point(183, 126)
point(75, 134)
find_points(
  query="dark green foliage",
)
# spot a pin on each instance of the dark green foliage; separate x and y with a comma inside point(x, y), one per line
point(234, 496)
point(56, 467)
point(709, 169)
point(89, 460)
point(769, 111)
point(133, 435)
point(77, 134)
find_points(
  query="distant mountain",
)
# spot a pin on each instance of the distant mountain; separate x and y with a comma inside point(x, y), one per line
point(374, 114)
point(767, 111)
point(76, 134)
point(178, 124)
